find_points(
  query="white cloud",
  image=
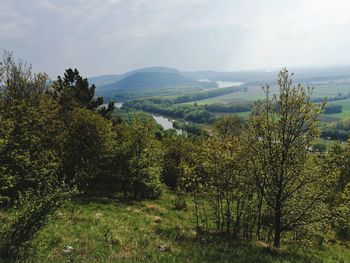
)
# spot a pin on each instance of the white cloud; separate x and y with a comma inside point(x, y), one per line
point(13, 24)
point(117, 35)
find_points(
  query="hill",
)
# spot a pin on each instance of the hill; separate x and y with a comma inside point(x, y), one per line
point(103, 80)
point(102, 230)
point(162, 81)
point(157, 80)
point(145, 82)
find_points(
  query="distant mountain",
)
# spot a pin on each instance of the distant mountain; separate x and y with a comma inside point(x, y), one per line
point(154, 81)
point(103, 80)
point(161, 81)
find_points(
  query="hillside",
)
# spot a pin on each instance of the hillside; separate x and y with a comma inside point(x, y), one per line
point(146, 80)
point(103, 80)
point(102, 230)
point(149, 82)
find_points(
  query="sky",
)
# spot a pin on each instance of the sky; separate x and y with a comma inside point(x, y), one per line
point(115, 36)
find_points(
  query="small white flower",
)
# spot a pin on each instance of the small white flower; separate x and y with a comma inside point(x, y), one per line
point(68, 249)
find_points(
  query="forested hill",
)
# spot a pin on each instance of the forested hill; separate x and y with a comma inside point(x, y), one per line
point(147, 82)
point(144, 80)
point(163, 81)
point(102, 80)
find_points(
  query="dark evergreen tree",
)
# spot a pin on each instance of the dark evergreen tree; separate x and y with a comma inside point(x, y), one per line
point(74, 91)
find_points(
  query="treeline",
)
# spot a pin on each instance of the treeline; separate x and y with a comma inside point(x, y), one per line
point(337, 131)
point(228, 108)
point(254, 180)
point(333, 108)
point(340, 96)
point(191, 112)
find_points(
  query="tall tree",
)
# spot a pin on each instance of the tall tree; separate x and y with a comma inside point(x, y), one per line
point(89, 142)
point(30, 152)
point(281, 130)
point(139, 159)
point(74, 91)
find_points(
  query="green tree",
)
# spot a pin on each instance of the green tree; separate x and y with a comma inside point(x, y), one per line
point(31, 143)
point(175, 149)
point(281, 131)
point(89, 143)
point(139, 159)
point(228, 126)
point(74, 91)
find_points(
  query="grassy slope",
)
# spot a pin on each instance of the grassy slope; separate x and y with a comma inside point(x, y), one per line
point(107, 231)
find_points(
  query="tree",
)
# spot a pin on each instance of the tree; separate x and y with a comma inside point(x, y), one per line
point(138, 159)
point(31, 139)
point(281, 131)
point(175, 149)
point(228, 125)
point(89, 143)
point(31, 145)
point(74, 91)
point(31, 213)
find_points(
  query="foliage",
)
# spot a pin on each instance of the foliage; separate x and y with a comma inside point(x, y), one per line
point(138, 159)
point(263, 179)
point(195, 113)
point(33, 208)
point(332, 108)
point(281, 131)
point(74, 91)
point(228, 108)
point(32, 133)
point(334, 134)
point(134, 237)
point(89, 143)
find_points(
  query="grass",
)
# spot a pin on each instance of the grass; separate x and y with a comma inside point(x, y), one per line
point(105, 230)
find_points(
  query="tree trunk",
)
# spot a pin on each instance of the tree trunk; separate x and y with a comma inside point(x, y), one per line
point(259, 217)
point(277, 237)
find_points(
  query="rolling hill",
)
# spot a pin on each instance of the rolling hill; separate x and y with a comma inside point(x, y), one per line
point(146, 82)
point(163, 81)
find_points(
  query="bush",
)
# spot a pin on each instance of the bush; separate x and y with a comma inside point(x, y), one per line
point(30, 215)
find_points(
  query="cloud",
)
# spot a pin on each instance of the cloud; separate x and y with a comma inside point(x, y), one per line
point(13, 24)
point(118, 35)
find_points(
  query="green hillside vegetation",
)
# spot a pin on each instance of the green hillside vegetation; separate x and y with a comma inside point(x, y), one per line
point(107, 230)
point(82, 182)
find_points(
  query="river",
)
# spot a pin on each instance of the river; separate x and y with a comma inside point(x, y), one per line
point(225, 84)
point(166, 123)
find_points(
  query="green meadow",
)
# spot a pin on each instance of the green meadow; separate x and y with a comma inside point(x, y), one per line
point(107, 230)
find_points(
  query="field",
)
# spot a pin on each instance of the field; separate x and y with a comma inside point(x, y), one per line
point(105, 230)
point(256, 92)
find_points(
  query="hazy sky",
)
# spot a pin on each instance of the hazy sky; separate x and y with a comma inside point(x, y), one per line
point(114, 36)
